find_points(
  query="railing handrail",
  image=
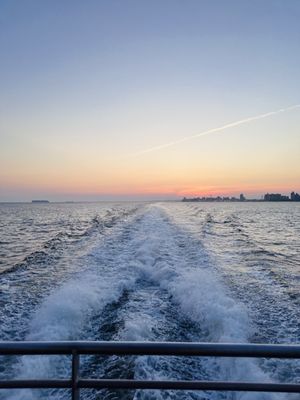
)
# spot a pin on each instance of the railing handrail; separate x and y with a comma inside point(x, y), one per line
point(151, 348)
point(77, 348)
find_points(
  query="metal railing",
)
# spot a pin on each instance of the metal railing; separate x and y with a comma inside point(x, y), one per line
point(77, 348)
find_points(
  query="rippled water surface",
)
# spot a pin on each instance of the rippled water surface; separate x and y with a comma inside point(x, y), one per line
point(150, 271)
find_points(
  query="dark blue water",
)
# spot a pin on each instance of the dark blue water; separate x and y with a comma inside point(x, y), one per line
point(140, 271)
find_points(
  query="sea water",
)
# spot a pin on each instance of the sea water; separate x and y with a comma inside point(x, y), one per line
point(168, 271)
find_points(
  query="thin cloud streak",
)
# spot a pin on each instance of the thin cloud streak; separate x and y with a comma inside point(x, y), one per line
point(214, 130)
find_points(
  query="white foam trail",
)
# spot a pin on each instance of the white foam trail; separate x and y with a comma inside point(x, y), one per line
point(215, 130)
point(198, 295)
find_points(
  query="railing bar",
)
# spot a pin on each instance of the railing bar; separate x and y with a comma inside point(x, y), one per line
point(75, 376)
point(143, 384)
point(77, 348)
point(151, 348)
point(36, 384)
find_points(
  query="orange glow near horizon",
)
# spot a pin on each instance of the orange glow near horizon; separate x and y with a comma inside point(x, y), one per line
point(224, 165)
point(176, 190)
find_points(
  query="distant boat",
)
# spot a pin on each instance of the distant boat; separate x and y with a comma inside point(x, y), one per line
point(40, 201)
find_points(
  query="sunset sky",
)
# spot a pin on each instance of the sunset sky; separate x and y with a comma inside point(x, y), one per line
point(91, 91)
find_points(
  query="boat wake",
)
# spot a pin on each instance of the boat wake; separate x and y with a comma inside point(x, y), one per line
point(150, 278)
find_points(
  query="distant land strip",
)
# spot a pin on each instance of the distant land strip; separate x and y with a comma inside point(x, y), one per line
point(267, 197)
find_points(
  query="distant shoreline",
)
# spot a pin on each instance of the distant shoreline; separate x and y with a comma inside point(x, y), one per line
point(269, 197)
point(239, 201)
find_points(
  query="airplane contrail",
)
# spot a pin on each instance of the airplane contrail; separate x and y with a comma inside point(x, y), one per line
point(214, 130)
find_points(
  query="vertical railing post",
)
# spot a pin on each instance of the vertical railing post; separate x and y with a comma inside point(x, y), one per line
point(75, 375)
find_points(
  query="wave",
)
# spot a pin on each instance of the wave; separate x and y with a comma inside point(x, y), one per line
point(162, 282)
point(52, 249)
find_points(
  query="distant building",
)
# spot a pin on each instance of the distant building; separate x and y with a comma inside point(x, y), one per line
point(242, 197)
point(211, 199)
point(295, 196)
point(275, 197)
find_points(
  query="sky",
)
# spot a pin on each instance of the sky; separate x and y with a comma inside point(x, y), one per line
point(110, 99)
